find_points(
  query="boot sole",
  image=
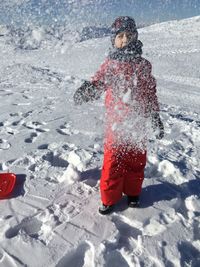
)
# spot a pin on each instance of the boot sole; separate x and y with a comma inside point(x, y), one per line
point(106, 211)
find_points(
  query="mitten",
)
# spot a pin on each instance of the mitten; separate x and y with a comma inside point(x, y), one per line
point(87, 92)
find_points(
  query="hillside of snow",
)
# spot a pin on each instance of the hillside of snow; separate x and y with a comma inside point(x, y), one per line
point(56, 150)
point(33, 37)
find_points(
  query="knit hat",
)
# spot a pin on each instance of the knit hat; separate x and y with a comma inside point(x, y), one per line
point(123, 23)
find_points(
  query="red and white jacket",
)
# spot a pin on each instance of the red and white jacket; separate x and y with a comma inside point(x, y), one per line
point(130, 89)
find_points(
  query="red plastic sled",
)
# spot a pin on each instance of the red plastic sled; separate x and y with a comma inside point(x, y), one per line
point(7, 183)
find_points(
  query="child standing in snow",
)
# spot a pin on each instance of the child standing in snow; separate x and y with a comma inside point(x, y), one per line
point(130, 101)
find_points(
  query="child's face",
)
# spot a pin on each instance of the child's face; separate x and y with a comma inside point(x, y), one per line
point(122, 39)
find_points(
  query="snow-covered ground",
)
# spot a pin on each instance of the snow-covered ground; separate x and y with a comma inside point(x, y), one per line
point(56, 151)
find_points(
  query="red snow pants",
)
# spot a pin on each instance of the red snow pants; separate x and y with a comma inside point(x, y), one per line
point(122, 172)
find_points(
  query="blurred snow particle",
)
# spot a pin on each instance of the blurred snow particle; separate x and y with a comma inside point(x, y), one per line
point(37, 34)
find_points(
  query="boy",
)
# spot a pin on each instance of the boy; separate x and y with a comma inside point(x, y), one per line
point(130, 101)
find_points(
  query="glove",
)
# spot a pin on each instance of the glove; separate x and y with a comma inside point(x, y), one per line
point(157, 125)
point(87, 92)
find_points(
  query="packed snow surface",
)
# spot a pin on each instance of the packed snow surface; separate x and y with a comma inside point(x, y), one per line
point(56, 150)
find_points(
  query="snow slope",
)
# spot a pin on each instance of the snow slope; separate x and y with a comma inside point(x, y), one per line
point(56, 150)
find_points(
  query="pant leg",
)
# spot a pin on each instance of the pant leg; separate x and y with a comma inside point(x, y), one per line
point(135, 163)
point(111, 182)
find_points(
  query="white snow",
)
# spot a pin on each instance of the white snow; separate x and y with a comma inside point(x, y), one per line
point(56, 150)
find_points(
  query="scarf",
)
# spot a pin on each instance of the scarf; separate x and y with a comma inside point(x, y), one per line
point(127, 53)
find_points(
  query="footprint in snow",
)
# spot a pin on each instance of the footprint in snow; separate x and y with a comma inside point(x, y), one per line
point(82, 256)
point(66, 129)
point(128, 236)
point(16, 114)
point(41, 225)
point(30, 226)
point(11, 131)
point(4, 144)
point(9, 127)
point(33, 124)
point(55, 160)
point(193, 206)
point(157, 225)
point(34, 135)
point(153, 228)
point(26, 96)
point(40, 130)
point(6, 93)
point(32, 138)
point(26, 114)
point(43, 146)
point(50, 218)
point(18, 122)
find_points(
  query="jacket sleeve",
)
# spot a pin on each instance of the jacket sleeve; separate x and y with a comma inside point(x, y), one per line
point(92, 90)
point(99, 78)
point(149, 82)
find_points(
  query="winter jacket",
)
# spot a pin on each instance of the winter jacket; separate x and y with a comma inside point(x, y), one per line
point(117, 78)
point(130, 98)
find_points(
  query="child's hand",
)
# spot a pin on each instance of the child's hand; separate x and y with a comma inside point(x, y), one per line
point(80, 95)
point(86, 92)
point(157, 125)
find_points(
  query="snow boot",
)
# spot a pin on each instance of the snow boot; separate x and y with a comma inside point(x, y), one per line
point(105, 209)
point(133, 201)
